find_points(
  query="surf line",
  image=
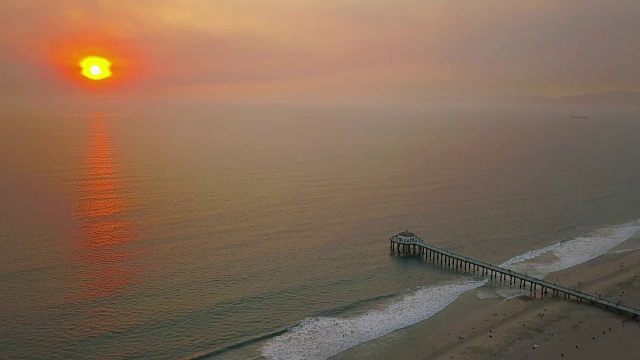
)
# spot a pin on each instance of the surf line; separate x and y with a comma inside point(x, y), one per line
point(407, 242)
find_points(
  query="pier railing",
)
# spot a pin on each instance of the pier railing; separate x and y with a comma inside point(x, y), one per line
point(449, 259)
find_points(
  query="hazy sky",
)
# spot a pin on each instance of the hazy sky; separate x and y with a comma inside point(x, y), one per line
point(306, 49)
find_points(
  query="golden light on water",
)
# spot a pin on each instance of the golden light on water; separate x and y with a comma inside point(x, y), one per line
point(105, 228)
point(96, 68)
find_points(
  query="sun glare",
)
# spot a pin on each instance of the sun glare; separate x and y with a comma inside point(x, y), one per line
point(95, 68)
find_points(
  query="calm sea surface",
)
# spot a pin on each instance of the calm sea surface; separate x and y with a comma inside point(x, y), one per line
point(213, 232)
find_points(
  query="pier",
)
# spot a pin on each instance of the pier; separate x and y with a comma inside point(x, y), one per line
point(408, 243)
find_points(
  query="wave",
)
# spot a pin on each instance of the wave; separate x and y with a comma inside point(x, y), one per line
point(357, 304)
point(566, 254)
point(260, 338)
point(529, 255)
point(569, 253)
point(323, 337)
point(621, 251)
point(237, 345)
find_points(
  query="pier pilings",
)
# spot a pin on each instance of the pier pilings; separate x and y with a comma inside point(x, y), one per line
point(459, 263)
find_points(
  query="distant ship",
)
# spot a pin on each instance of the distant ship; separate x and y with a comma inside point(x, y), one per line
point(580, 117)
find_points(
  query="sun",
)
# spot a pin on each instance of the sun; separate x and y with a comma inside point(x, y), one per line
point(95, 68)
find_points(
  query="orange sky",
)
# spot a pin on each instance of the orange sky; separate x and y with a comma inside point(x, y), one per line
point(307, 49)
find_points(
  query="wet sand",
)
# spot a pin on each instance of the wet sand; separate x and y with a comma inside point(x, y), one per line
point(545, 328)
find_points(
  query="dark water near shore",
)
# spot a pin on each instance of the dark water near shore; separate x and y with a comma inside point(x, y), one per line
point(212, 233)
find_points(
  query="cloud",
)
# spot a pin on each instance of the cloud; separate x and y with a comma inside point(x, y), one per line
point(330, 46)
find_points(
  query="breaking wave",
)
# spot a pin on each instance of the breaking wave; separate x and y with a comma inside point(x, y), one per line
point(323, 337)
point(566, 254)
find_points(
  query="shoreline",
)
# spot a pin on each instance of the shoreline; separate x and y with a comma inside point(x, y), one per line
point(533, 327)
point(483, 324)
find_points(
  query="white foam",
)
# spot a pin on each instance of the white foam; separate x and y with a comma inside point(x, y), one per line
point(566, 254)
point(530, 255)
point(322, 337)
point(621, 251)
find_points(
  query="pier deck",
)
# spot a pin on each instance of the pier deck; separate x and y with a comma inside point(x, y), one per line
point(447, 258)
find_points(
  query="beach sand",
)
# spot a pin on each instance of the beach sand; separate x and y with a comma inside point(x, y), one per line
point(546, 328)
point(483, 324)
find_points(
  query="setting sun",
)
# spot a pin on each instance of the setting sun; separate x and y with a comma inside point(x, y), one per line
point(95, 67)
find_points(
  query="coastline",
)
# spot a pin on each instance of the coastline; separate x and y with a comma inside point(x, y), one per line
point(533, 327)
point(494, 321)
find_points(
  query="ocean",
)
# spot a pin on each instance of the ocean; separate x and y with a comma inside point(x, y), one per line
point(248, 232)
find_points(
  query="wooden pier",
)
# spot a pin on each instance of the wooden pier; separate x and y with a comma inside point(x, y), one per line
point(408, 243)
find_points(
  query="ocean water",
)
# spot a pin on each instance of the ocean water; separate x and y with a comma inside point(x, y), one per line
point(262, 231)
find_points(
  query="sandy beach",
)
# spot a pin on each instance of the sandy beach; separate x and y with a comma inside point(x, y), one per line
point(528, 327)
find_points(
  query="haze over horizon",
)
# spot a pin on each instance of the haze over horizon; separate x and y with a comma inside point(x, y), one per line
point(305, 50)
point(225, 179)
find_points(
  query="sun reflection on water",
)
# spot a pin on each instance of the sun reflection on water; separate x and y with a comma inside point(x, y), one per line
point(105, 228)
